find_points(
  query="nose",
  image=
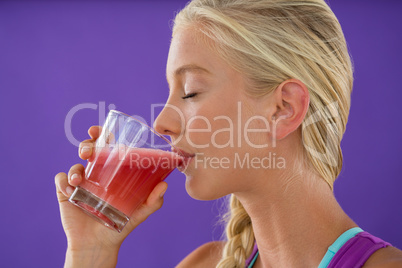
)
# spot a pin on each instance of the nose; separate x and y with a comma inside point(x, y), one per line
point(170, 121)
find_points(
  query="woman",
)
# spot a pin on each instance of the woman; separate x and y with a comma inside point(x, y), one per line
point(257, 82)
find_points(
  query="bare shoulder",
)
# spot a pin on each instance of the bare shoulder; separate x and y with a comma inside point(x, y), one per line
point(385, 257)
point(207, 255)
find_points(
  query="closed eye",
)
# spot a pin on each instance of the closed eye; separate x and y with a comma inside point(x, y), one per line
point(189, 96)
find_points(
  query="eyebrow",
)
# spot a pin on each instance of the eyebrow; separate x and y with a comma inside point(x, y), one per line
point(189, 68)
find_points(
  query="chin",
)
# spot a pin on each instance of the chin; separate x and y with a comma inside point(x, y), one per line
point(198, 189)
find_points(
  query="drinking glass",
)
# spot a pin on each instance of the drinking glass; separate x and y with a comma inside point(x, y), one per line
point(128, 161)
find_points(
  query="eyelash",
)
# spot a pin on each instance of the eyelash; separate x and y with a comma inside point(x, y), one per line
point(190, 95)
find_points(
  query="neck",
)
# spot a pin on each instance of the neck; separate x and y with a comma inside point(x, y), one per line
point(294, 225)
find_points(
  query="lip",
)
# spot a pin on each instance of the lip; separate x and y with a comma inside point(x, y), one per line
point(182, 153)
point(186, 156)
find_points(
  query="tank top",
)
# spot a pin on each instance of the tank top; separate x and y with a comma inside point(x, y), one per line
point(351, 249)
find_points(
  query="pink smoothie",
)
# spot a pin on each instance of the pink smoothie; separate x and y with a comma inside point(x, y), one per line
point(124, 178)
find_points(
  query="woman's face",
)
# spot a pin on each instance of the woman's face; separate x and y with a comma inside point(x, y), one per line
point(206, 115)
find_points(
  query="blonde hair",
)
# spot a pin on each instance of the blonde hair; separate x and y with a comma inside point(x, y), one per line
point(270, 41)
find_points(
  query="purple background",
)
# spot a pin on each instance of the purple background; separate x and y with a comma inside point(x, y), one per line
point(56, 55)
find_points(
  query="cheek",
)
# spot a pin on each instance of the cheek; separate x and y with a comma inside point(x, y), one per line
point(198, 131)
point(213, 126)
point(228, 130)
point(256, 129)
point(257, 133)
point(225, 135)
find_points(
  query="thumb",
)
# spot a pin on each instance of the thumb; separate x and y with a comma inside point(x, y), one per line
point(152, 204)
point(155, 198)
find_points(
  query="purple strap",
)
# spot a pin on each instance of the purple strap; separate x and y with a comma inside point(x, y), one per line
point(353, 254)
point(255, 249)
point(356, 251)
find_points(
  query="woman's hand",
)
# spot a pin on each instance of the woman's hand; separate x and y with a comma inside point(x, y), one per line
point(88, 240)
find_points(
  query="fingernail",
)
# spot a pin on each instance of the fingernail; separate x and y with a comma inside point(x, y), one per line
point(69, 190)
point(161, 195)
point(75, 177)
point(85, 149)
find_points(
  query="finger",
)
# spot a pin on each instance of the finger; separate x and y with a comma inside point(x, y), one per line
point(152, 204)
point(63, 189)
point(75, 174)
point(94, 132)
point(85, 149)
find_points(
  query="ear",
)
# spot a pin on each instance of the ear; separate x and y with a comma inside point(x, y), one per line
point(290, 102)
